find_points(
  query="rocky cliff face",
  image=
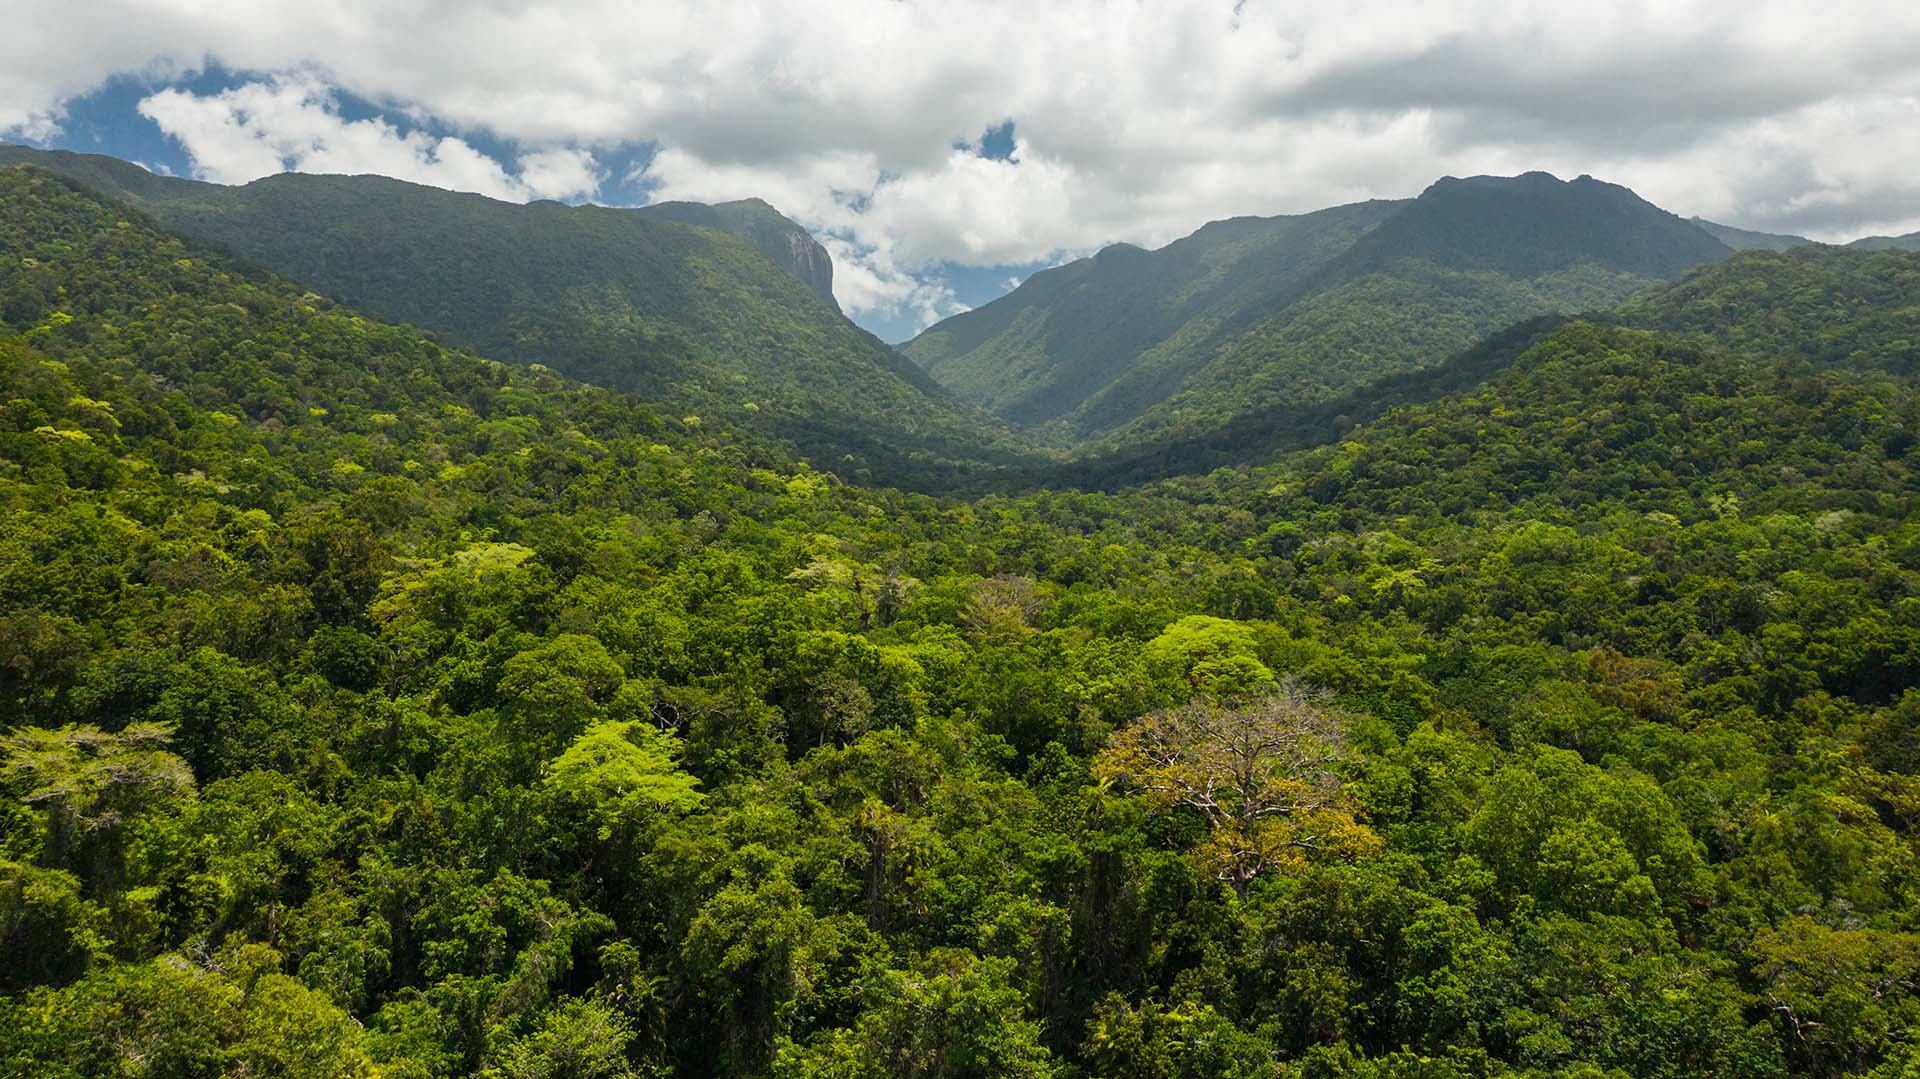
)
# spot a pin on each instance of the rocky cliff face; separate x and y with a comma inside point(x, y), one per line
point(791, 247)
point(805, 259)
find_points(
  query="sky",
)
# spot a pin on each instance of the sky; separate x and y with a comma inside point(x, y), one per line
point(944, 150)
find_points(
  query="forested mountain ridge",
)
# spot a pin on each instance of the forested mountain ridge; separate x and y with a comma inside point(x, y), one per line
point(1909, 242)
point(1466, 258)
point(1852, 307)
point(1745, 240)
point(1531, 225)
point(1402, 286)
point(690, 317)
point(1749, 240)
point(1829, 306)
point(1067, 334)
point(788, 245)
point(370, 709)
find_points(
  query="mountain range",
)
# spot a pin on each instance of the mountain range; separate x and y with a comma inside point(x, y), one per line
point(1253, 313)
point(1252, 316)
point(1124, 365)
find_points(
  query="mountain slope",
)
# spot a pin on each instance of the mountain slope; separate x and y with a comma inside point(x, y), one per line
point(791, 247)
point(1135, 347)
point(1464, 259)
point(1067, 334)
point(689, 316)
point(1909, 242)
point(1835, 307)
point(1535, 224)
point(1749, 240)
point(1596, 415)
point(1826, 306)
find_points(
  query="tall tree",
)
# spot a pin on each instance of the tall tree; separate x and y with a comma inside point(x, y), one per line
point(91, 783)
point(1263, 772)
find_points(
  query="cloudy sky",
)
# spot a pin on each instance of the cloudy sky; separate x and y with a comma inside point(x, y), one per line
point(944, 149)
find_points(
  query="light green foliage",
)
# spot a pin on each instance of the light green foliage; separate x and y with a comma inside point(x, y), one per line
point(1213, 655)
point(91, 785)
point(622, 771)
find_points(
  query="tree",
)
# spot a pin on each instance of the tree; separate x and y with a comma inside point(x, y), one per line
point(296, 1033)
point(1262, 772)
point(577, 1039)
point(1842, 997)
point(622, 770)
point(952, 1017)
point(91, 783)
point(748, 953)
point(1187, 1040)
point(1585, 840)
point(1213, 655)
point(555, 689)
point(1004, 606)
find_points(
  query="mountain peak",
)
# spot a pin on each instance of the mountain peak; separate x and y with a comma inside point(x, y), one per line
point(756, 221)
point(1536, 223)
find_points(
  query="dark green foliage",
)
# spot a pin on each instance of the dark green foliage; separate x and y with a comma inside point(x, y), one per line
point(1404, 317)
point(1262, 433)
point(374, 709)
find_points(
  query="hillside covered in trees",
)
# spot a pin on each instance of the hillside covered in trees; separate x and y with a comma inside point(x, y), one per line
point(372, 708)
point(1827, 306)
point(713, 312)
point(1131, 347)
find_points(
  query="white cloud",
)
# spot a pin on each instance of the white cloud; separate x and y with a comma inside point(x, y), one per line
point(293, 123)
point(560, 174)
point(832, 195)
point(866, 281)
point(1137, 120)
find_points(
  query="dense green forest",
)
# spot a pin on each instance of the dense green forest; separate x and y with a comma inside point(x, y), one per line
point(375, 709)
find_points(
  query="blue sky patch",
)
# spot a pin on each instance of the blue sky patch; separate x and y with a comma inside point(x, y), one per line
point(997, 144)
